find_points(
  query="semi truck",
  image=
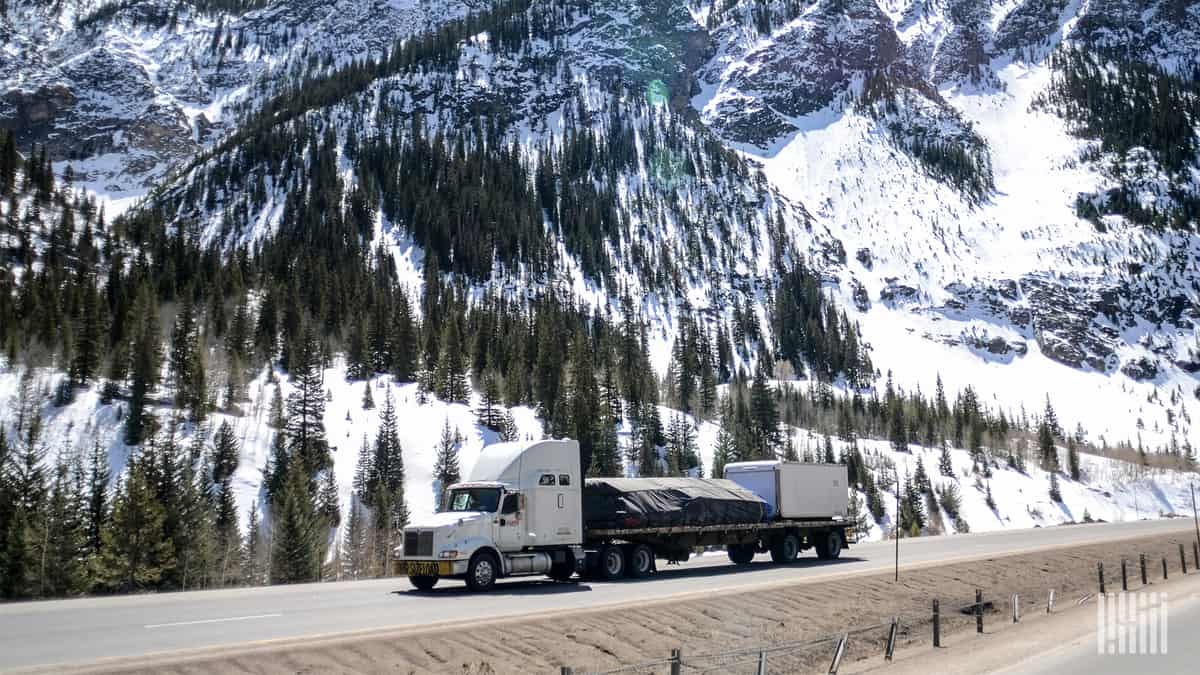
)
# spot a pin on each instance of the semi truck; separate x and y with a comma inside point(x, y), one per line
point(525, 509)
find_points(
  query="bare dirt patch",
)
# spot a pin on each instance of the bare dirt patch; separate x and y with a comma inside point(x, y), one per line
point(801, 611)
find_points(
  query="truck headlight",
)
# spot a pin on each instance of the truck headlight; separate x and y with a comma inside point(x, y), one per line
point(450, 554)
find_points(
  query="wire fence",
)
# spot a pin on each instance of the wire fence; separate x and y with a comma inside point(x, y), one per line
point(785, 657)
point(1122, 570)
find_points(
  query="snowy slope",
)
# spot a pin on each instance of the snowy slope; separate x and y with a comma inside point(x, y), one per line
point(1014, 293)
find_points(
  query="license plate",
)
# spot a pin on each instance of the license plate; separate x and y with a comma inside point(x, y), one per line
point(421, 568)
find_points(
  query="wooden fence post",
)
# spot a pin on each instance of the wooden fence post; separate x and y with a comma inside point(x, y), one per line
point(978, 611)
point(566, 670)
point(937, 624)
point(762, 663)
point(1016, 608)
point(1124, 580)
point(1164, 567)
point(1182, 560)
point(1145, 581)
point(891, 640)
point(837, 654)
point(676, 662)
point(1050, 602)
point(1100, 571)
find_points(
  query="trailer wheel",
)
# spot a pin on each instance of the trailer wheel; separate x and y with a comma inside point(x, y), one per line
point(785, 549)
point(612, 562)
point(423, 583)
point(482, 572)
point(741, 554)
point(641, 562)
point(829, 546)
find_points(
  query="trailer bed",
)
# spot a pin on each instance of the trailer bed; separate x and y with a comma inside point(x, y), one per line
point(618, 533)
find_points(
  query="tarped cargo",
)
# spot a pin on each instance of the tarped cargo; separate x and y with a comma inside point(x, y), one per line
point(615, 503)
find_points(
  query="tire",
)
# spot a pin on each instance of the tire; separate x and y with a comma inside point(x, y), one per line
point(741, 554)
point(423, 583)
point(611, 562)
point(829, 545)
point(640, 560)
point(785, 549)
point(563, 571)
point(482, 572)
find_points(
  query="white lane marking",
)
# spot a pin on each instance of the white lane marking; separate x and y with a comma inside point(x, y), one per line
point(193, 623)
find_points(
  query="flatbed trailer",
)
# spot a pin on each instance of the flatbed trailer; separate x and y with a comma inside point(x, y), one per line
point(615, 552)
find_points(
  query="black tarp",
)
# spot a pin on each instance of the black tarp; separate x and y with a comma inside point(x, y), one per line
point(615, 503)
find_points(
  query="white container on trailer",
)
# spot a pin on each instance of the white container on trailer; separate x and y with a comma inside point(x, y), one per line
point(795, 489)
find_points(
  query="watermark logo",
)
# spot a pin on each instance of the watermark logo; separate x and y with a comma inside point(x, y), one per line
point(1131, 623)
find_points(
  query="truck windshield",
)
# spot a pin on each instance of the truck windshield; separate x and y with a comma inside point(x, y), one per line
point(474, 499)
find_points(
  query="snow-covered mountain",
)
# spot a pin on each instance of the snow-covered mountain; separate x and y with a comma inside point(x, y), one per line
point(931, 160)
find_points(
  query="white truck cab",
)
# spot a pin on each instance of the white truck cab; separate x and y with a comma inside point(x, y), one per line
point(518, 513)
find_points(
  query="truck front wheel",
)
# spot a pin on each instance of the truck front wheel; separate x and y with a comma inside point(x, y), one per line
point(563, 571)
point(612, 562)
point(482, 572)
point(423, 583)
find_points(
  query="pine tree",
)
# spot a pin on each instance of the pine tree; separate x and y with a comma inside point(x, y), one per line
point(187, 363)
point(1047, 452)
point(389, 455)
point(327, 500)
point(228, 536)
point(252, 562)
point(63, 542)
point(606, 456)
point(583, 400)
point(297, 532)
point(945, 466)
point(488, 412)
point(226, 453)
point(1072, 459)
point(135, 553)
point(147, 355)
point(306, 407)
point(764, 416)
point(1050, 418)
point(445, 463)
point(1055, 494)
point(364, 469)
point(451, 375)
point(404, 340)
point(368, 401)
point(99, 475)
point(275, 473)
point(356, 543)
point(920, 478)
point(276, 418)
point(725, 450)
point(358, 358)
point(87, 339)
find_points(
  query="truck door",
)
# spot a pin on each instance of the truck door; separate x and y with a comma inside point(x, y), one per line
point(509, 527)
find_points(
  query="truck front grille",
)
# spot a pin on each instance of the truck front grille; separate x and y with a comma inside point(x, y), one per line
point(418, 544)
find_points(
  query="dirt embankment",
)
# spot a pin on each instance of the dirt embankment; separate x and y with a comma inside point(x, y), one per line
point(801, 611)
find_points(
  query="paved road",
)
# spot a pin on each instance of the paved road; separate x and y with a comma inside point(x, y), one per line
point(85, 630)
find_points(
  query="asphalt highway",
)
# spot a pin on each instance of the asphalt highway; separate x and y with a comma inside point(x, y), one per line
point(87, 630)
